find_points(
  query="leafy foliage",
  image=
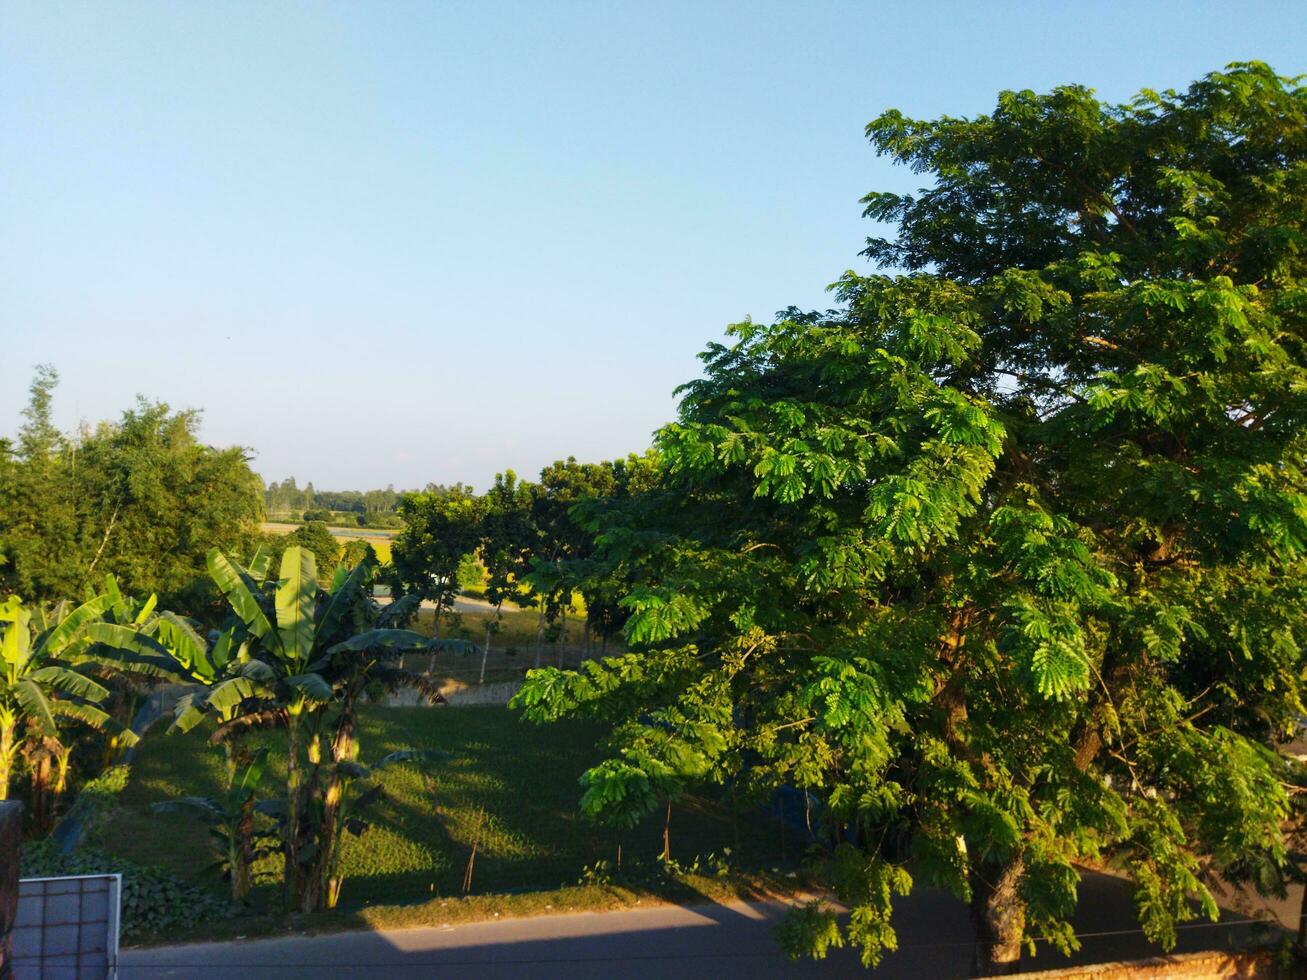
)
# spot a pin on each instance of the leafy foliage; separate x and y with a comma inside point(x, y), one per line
point(296, 654)
point(44, 682)
point(141, 499)
point(1005, 558)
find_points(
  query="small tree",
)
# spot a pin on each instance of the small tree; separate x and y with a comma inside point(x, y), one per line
point(42, 684)
point(301, 656)
point(442, 526)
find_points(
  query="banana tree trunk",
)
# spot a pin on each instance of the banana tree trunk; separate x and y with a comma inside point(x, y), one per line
point(239, 844)
point(562, 637)
point(294, 780)
point(40, 768)
point(7, 752)
point(327, 872)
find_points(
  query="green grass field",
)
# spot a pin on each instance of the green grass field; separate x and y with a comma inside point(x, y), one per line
point(523, 777)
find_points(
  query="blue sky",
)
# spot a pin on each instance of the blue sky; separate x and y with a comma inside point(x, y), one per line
point(409, 242)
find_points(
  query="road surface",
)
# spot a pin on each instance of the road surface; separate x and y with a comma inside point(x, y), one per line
point(714, 942)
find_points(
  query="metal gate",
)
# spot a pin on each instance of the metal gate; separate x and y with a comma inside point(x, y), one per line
point(67, 928)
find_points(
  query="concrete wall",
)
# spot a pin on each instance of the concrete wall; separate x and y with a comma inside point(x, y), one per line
point(1186, 966)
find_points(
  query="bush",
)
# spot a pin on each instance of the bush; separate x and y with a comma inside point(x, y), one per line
point(356, 552)
point(318, 515)
point(154, 901)
point(318, 540)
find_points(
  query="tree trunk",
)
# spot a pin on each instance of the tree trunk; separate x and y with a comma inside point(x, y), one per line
point(998, 914)
point(435, 635)
point(667, 834)
point(485, 655)
point(540, 632)
point(293, 804)
point(327, 877)
point(562, 637)
point(40, 767)
point(239, 846)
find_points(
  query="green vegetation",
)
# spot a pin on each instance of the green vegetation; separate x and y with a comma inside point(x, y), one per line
point(300, 656)
point(441, 528)
point(1006, 558)
point(141, 499)
point(41, 656)
point(676, 887)
point(1002, 562)
point(312, 536)
point(348, 540)
point(512, 643)
point(506, 787)
point(154, 902)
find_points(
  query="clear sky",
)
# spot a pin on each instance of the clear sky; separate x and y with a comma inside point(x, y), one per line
point(408, 242)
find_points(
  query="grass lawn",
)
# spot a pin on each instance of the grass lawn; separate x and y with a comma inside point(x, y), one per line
point(522, 777)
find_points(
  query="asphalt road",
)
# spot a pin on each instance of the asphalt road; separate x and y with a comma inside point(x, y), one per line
point(710, 941)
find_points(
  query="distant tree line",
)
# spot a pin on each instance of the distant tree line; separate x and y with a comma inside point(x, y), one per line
point(372, 507)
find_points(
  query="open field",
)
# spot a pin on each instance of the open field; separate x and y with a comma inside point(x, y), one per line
point(378, 538)
point(508, 786)
point(512, 649)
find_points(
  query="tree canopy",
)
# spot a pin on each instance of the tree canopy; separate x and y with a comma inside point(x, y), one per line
point(1001, 560)
point(141, 498)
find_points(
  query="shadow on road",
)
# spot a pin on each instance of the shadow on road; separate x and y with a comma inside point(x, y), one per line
point(705, 941)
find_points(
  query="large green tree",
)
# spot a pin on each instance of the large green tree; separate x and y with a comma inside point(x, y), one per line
point(1003, 559)
point(140, 498)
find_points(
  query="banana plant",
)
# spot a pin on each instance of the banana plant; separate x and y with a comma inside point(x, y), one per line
point(233, 821)
point(353, 788)
point(296, 654)
point(42, 683)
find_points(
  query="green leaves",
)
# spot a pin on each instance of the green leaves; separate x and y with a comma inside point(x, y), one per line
point(619, 792)
point(57, 639)
point(296, 594)
point(657, 616)
point(809, 929)
point(238, 593)
point(15, 641)
point(994, 559)
point(69, 682)
point(1048, 637)
point(311, 686)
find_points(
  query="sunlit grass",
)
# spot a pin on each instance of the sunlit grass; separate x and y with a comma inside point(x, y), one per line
point(507, 785)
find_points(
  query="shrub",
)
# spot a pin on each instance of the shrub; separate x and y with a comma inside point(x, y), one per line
point(154, 902)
